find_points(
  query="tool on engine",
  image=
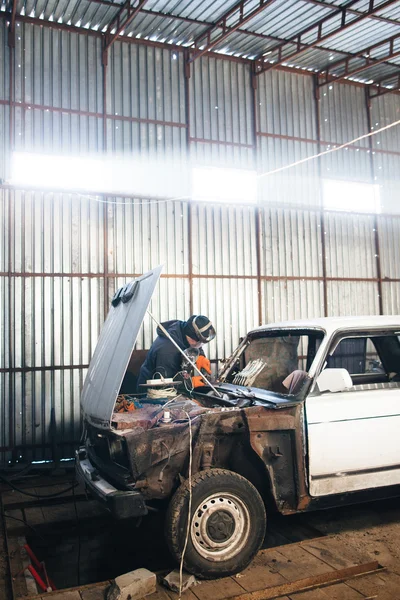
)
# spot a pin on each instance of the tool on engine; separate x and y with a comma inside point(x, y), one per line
point(193, 357)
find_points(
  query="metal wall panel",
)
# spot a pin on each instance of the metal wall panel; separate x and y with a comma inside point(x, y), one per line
point(343, 117)
point(49, 132)
point(4, 323)
point(55, 320)
point(4, 230)
point(4, 97)
point(286, 104)
point(297, 185)
point(45, 414)
point(389, 247)
point(220, 111)
point(223, 240)
point(285, 300)
point(4, 62)
point(56, 233)
point(286, 109)
point(384, 111)
point(4, 142)
point(57, 68)
point(146, 82)
point(231, 304)
point(391, 298)
point(291, 243)
point(352, 298)
point(387, 175)
point(144, 234)
point(350, 246)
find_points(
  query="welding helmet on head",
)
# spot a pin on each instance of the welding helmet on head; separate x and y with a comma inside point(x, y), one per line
point(199, 327)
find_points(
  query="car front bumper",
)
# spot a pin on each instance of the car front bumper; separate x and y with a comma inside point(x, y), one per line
point(123, 504)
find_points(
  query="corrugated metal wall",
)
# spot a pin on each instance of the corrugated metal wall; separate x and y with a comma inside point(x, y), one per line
point(63, 255)
point(286, 128)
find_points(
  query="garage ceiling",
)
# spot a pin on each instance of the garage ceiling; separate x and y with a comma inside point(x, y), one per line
point(357, 39)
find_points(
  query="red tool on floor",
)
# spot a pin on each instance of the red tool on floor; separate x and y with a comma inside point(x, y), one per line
point(39, 573)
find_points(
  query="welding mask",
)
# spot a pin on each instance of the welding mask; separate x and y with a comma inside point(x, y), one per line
point(199, 327)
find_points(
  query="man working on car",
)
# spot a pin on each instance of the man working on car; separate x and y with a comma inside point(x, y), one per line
point(165, 359)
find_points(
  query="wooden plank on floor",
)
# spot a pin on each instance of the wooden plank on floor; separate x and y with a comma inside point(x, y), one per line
point(160, 594)
point(188, 595)
point(339, 591)
point(218, 589)
point(385, 585)
point(259, 575)
point(306, 562)
point(336, 553)
point(312, 582)
point(97, 593)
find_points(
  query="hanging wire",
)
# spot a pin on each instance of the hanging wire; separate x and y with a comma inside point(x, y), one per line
point(314, 156)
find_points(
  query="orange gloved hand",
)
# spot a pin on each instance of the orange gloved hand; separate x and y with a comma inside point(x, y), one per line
point(203, 363)
point(197, 381)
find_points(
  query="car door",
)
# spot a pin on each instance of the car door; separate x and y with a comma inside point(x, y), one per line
point(353, 436)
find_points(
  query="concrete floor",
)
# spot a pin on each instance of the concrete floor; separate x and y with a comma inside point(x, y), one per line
point(103, 548)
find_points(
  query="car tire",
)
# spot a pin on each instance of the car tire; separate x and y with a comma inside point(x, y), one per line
point(227, 525)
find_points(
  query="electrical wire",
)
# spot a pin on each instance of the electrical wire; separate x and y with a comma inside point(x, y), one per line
point(190, 506)
point(33, 495)
point(335, 149)
point(25, 523)
point(162, 201)
point(155, 394)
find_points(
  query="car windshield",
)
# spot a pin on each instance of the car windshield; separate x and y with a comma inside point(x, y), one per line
point(277, 361)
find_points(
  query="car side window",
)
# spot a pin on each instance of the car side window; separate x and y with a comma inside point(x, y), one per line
point(357, 355)
point(368, 359)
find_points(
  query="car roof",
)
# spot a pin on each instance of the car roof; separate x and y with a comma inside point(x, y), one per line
point(332, 324)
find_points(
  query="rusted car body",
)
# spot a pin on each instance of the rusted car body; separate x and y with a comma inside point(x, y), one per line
point(281, 439)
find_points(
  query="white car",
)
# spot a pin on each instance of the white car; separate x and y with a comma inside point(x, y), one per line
point(304, 415)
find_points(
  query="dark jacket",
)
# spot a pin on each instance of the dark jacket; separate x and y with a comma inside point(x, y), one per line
point(163, 357)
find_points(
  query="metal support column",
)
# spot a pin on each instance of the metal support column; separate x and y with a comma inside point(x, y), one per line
point(257, 210)
point(187, 74)
point(317, 101)
point(376, 225)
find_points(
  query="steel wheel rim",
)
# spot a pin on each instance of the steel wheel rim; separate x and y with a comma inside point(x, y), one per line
point(220, 527)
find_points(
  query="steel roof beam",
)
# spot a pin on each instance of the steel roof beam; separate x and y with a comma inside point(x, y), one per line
point(317, 29)
point(378, 89)
point(352, 11)
point(122, 19)
point(387, 46)
point(227, 30)
point(11, 27)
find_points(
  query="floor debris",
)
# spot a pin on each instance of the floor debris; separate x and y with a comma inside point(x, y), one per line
point(133, 585)
point(172, 581)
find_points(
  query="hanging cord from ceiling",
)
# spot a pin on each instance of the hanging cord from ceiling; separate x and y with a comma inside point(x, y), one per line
point(335, 149)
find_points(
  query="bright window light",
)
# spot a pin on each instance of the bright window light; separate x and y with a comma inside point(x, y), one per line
point(351, 196)
point(224, 185)
point(67, 172)
point(134, 175)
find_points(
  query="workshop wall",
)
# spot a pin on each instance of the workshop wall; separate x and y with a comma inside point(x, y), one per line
point(62, 255)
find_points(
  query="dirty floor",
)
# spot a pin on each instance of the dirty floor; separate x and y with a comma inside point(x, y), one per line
point(81, 543)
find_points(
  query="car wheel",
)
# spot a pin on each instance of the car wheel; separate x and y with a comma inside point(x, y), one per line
point(227, 523)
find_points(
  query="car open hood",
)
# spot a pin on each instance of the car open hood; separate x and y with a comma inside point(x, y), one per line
point(114, 348)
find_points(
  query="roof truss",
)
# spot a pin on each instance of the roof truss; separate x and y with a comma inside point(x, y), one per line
point(122, 19)
point(379, 88)
point(383, 51)
point(238, 16)
point(316, 31)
